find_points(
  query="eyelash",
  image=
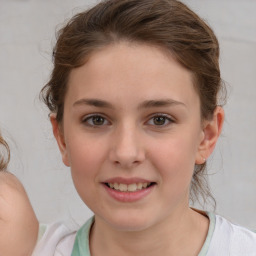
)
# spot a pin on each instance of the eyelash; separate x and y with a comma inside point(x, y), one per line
point(165, 118)
point(89, 118)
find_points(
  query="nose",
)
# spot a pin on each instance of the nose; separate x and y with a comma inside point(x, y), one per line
point(127, 150)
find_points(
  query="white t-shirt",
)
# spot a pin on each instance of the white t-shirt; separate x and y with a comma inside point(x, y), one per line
point(56, 239)
point(223, 239)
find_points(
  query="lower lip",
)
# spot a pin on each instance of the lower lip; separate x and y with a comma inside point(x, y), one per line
point(129, 196)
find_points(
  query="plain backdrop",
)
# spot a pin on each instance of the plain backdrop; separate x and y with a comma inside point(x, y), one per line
point(27, 35)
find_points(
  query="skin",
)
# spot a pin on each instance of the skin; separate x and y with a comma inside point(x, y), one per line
point(128, 141)
point(18, 223)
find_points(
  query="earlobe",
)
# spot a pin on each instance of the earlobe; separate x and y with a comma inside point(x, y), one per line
point(211, 132)
point(58, 134)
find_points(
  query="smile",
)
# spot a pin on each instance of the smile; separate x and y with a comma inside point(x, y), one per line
point(129, 187)
point(128, 190)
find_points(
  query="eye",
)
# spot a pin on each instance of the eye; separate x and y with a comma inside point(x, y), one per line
point(160, 120)
point(95, 120)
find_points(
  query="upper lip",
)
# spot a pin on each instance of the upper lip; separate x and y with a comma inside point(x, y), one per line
point(121, 180)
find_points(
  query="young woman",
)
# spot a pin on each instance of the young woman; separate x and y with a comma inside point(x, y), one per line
point(18, 223)
point(134, 109)
point(134, 102)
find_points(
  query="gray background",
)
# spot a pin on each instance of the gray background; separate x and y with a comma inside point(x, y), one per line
point(27, 29)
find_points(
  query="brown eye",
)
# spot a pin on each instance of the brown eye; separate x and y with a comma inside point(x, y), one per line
point(159, 120)
point(98, 120)
point(95, 120)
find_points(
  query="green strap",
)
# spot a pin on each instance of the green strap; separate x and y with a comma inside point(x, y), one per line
point(81, 246)
point(207, 242)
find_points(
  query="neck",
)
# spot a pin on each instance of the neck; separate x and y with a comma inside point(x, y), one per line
point(182, 233)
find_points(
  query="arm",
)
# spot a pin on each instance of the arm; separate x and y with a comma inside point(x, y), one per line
point(18, 223)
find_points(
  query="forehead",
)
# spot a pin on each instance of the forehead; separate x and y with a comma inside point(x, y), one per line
point(139, 70)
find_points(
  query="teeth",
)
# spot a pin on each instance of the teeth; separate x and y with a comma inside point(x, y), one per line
point(116, 186)
point(122, 187)
point(132, 187)
point(144, 185)
point(129, 188)
point(139, 186)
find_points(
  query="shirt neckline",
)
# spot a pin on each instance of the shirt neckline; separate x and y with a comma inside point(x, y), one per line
point(81, 246)
point(207, 242)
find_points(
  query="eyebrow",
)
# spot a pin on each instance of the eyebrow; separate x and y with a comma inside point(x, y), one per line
point(160, 103)
point(93, 102)
point(146, 104)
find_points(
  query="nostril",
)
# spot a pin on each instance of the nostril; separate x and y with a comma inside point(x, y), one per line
point(126, 163)
point(126, 156)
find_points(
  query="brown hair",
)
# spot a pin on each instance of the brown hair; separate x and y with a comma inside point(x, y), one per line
point(166, 23)
point(4, 154)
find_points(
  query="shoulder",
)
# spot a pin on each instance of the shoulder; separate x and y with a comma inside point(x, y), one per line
point(55, 239)
point(232, 239)
point(63, 239)
point(18, 223)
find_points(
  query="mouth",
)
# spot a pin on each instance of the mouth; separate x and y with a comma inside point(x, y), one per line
point(133, 187)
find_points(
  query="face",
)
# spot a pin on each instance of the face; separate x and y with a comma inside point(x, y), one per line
point(132, 133)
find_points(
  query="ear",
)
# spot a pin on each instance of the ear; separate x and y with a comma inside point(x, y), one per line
point(59, 136)
point(211, 132)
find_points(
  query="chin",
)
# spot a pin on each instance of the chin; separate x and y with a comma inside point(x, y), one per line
point(129, 222)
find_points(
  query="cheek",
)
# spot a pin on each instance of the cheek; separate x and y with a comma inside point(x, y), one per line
point(178, 152)
point(174, 160)
point(85, 159)
point(85, 163)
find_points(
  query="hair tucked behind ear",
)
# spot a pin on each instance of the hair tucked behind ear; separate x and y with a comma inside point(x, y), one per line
point(4, 154)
